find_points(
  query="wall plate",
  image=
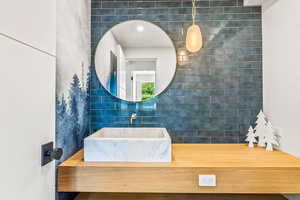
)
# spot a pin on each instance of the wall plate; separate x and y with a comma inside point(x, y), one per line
point(208, 180)
point(46, 153)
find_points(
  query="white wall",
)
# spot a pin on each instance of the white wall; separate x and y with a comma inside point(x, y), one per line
point(102, 58)
point(281, 71)
point(166, 63)
point(30, 21)
point(281, 43)
point(27, 103)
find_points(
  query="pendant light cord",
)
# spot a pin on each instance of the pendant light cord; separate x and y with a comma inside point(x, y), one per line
point(194, 11)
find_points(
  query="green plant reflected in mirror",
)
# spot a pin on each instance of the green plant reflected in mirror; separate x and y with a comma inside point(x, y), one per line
point(148, 90)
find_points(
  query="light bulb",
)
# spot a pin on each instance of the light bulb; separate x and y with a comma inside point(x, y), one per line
point(140, 29)
point(194, 40)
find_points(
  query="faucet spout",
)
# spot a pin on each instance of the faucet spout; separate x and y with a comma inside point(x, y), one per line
point(132, 117)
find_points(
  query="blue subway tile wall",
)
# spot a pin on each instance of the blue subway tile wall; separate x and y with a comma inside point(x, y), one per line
point(212, 99)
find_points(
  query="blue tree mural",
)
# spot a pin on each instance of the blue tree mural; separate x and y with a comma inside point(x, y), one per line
point(72, 121)
point(75, 108)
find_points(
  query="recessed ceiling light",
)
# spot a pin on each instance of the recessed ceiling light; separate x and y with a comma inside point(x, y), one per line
point(140, 28)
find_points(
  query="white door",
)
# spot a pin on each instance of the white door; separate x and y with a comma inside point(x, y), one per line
point(27, 98)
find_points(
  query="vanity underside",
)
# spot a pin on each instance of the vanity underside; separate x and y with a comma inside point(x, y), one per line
point(239, 170)
point(142, 196)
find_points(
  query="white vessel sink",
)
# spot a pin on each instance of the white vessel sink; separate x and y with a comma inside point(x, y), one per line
point(128, 145)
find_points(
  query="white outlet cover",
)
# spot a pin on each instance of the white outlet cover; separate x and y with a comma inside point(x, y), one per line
point(207, 180)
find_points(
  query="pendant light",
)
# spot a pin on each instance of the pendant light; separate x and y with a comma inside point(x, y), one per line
point(182, 53)
point(194, 40)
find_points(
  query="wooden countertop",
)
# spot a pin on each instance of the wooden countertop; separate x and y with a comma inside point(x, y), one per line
point(205, 155)
point(238, 169)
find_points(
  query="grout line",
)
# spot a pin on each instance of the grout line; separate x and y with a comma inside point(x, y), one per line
point(26, 44)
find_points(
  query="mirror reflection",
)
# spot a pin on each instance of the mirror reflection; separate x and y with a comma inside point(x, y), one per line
point(135, 60)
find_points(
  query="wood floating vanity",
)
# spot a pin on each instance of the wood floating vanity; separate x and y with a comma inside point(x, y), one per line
point(238, 169)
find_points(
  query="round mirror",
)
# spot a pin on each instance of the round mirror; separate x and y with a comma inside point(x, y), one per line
point(135, 60)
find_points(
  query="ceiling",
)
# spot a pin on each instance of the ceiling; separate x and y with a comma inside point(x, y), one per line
point(127, 35)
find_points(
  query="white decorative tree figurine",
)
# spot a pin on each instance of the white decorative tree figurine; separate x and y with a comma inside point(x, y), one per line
point(251, 137)
point(270, 137)
point(260, 129)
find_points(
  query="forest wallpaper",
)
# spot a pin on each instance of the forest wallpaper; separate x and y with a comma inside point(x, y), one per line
point(72, 121)
point(72, 72)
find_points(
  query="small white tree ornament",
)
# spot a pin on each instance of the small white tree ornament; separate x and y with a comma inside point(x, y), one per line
point(260, 129)
point(251, 137)
point(270, 137)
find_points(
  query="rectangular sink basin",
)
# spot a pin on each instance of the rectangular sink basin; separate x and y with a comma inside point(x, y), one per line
point(128, 145)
